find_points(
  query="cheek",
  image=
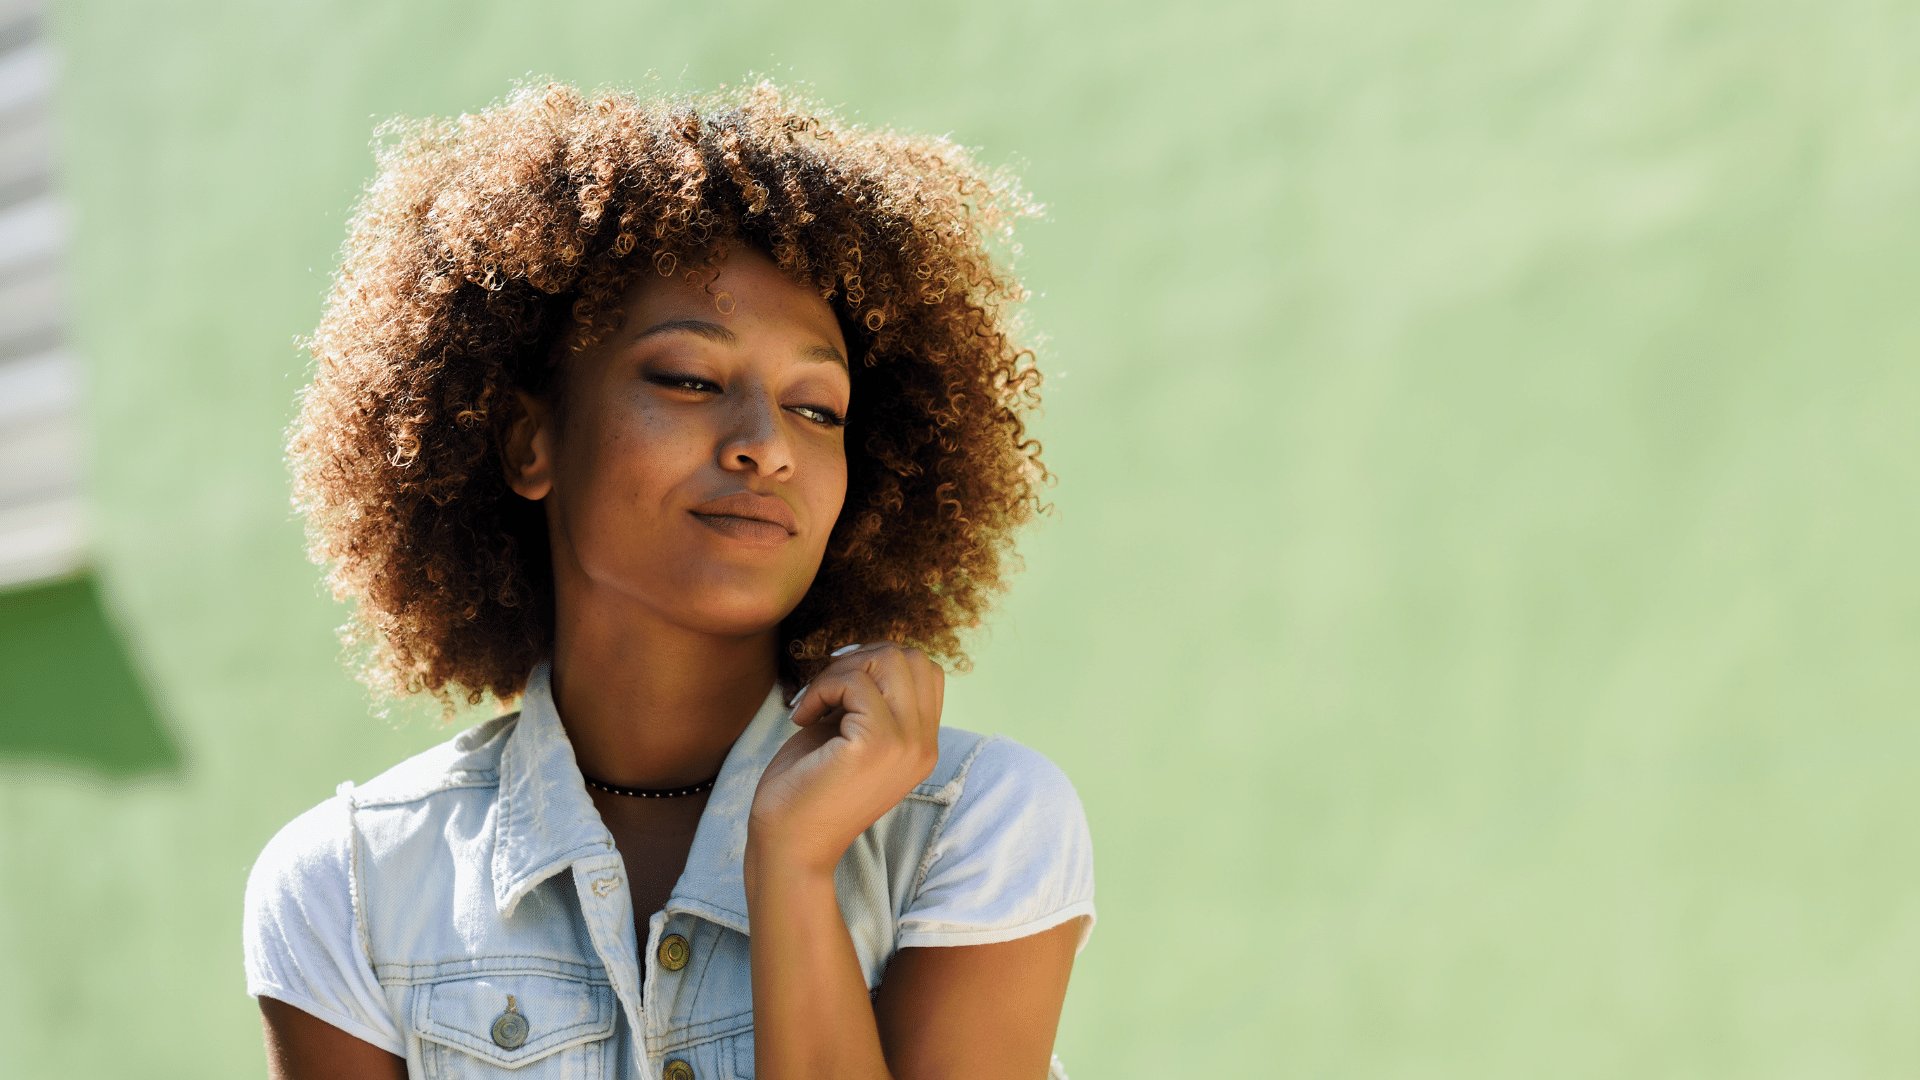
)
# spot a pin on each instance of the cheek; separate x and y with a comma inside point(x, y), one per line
point(829, 497)
point(634, 459)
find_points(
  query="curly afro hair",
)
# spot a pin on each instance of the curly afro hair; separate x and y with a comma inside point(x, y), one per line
point(488, 246)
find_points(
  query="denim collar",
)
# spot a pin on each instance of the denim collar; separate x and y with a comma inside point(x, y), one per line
point(545, 821)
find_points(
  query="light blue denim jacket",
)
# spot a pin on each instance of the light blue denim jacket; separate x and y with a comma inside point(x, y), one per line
point(491, 910)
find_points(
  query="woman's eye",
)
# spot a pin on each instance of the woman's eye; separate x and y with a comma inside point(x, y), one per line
point(819, 414)
point(682, 382)
point(823, 415)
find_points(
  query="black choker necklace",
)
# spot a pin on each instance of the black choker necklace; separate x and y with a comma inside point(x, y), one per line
point(650, 793)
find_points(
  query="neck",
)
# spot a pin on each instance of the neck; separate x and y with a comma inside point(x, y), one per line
point(650, 704)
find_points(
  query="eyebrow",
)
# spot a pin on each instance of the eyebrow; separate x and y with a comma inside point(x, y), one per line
point(714, 332)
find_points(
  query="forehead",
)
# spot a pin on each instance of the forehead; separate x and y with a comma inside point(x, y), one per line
point(748, 294)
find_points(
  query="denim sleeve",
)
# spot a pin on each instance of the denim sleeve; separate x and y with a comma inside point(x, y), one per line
point(1012, 857)
point(301, 940)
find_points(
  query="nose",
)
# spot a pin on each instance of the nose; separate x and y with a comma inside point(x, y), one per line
point(756, 440)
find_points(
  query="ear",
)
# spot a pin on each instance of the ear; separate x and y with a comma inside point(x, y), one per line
point(526, 454)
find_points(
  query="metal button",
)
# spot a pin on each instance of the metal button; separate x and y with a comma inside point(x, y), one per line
point(678, 1070)
point(510, 1027)
point(673, 952)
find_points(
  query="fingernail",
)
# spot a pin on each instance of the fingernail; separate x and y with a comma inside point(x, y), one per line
point(844, 650)
point(797, 697)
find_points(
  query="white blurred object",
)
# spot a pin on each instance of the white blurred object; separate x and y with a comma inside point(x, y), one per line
point(42, 532)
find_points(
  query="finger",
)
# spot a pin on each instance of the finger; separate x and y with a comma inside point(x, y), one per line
point(888, 696)
point(802, 710)
point(899, 677)
point(803, 716)
point(863, 710)
point(822, 697)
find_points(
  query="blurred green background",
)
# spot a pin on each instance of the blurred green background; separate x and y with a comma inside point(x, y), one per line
point(1480, 610)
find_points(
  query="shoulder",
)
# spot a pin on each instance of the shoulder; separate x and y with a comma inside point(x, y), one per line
point(298, 911)
point(988, 769)
point(314, 851)
point(303, 940)
point(469, 759)
point(1001, 796)
point(1011, 854)
point(971, 760)
point(307, 856)
point(1002, 761)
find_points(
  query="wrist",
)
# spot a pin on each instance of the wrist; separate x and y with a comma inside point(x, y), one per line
point(767, 860)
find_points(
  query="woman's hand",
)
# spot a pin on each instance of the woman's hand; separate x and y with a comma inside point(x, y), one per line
point(870, 727)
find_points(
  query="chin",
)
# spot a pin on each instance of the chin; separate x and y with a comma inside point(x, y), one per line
point(733, 614)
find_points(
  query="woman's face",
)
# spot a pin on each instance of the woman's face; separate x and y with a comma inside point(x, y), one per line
point(682, 406)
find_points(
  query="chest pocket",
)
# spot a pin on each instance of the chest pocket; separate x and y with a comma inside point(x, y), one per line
point(532, 1026)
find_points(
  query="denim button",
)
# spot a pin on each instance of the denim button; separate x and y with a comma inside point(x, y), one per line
point(510, 1027)
point(673, 952)
point(678, 1070)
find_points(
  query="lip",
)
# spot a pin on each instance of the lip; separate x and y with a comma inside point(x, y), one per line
point(753, 507)
point(750, 531)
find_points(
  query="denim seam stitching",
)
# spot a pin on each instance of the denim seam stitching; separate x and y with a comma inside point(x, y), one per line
point(355, 887)
point(455, 781)
point(927, 858)
point(505, 806)
point(449, 970)
point(444, 1030)
point(597, 1025)
point(706, 961)
point(694, 1034)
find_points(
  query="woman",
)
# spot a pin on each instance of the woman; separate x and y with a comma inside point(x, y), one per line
point(697, 427)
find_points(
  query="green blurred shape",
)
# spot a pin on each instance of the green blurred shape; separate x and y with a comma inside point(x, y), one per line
point(72, 691)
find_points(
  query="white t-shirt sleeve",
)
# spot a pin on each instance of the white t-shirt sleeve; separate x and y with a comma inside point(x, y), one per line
point(1013, 857)
point(301, 940)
